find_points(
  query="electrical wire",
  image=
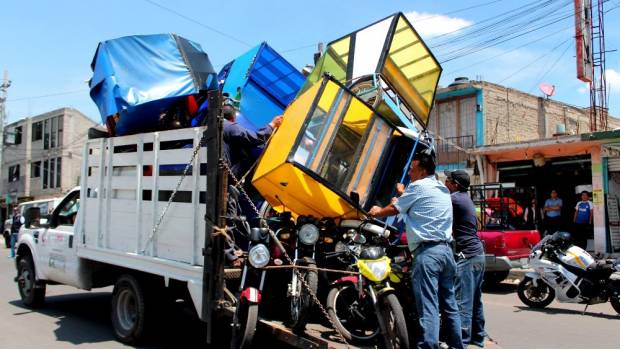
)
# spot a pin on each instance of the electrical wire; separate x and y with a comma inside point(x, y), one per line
point(198, 23)
point(551, 68)
point(529, 64)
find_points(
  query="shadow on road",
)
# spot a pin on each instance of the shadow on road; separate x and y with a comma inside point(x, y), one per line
point(84, 318)
point(499, 288)
point(556, 311)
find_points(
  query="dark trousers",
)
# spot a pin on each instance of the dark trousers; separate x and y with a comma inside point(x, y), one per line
point(553, 224)
point(581, 234)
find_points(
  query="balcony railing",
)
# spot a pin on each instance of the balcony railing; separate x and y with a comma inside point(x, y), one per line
point(451, 149)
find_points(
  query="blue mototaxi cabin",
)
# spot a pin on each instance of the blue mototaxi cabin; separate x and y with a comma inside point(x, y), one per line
point(137, 79)
point(262, 83)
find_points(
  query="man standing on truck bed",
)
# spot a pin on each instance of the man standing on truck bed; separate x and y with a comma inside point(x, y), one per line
point(470, 260)
point(239, 143)
point(427, 211)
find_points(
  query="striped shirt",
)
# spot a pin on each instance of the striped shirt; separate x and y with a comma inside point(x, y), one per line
point(426, 208)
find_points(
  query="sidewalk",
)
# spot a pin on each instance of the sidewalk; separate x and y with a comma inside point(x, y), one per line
point(516, 275)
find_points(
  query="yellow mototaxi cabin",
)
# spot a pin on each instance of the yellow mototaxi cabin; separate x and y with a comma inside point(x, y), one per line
point(329, 145)
point(333, 146)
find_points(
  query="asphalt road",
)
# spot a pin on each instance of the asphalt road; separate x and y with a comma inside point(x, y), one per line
point(73, 318)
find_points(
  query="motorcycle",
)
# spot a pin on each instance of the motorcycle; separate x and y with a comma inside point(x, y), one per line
point(569, 274)
point(365, 305)
point(251, 285)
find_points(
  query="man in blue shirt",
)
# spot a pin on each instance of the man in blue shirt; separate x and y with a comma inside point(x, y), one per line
point(470, 260)
point(427, 210)
point(553, 213)
point(583, 220)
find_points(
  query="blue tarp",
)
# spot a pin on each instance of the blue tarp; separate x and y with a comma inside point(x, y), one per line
point(268, 84)
point(141, 76)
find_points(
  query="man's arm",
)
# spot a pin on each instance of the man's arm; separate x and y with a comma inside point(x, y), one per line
point(377, 211)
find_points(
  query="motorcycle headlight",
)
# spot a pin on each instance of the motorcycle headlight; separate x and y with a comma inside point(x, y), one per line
point(309, 234)
point(259, 256)
point(375, 270)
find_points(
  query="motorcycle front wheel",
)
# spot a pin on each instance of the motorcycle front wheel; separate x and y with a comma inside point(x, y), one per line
point(300, 305)
point(244, 325)
point(395, 334)
point(355, 319)
point(535, 296)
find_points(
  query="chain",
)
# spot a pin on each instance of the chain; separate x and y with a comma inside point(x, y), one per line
point(174, 193)
point(315, 299)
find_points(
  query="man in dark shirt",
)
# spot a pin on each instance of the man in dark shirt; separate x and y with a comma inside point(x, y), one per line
point(470, 261)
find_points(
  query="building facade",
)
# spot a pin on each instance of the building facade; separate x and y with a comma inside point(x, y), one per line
point(500, 134)
point(42, 155)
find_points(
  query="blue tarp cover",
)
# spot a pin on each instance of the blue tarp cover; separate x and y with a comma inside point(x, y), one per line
point(141, 76)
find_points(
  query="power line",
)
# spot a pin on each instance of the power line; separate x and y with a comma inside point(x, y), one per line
point(47, 95)
point(457, 11)
point(509, 51)
point(529, 64)
point(551, 68)
point(198, 23)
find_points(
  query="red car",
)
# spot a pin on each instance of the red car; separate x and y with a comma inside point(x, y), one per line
point(505, 246)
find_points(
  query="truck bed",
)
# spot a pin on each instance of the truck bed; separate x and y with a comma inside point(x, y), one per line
point(125, 185)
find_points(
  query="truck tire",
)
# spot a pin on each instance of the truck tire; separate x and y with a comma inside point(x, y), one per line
point(131, 309)
point(32, 292)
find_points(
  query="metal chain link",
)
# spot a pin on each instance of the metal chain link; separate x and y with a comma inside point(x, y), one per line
point(315, 299)
point(174, 193)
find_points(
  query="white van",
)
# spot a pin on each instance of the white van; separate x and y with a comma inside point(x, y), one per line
point(46, 207)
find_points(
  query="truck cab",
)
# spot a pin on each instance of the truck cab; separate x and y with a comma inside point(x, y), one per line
point(50, 243)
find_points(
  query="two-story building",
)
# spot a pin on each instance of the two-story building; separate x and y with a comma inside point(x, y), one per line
point(501, 134)
point(42, 155)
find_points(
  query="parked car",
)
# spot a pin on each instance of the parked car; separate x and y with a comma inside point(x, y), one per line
point(46, 206)
point(505, 246)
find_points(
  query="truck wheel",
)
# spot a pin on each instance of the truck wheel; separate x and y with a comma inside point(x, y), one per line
point(129, 309)
point(535, 296)
point(31, 291)
point(495, 277)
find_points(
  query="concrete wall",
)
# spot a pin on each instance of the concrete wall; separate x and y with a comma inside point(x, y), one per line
point(510, 115)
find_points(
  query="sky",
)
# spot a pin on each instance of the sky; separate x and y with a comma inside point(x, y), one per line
point(47, 46)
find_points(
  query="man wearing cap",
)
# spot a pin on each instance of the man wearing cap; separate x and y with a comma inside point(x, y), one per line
point(470, 261)
point(427, 210)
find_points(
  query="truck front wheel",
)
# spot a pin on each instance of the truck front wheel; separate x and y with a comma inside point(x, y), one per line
point(31, 291)
point(129, 309)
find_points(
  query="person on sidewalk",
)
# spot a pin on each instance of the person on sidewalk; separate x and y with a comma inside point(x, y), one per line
point(553, 213)
point(427, 210)
point(532, 217)
point(583, 220)
point(470, 260)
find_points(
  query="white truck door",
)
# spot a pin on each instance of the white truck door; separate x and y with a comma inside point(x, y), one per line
point(57, 254)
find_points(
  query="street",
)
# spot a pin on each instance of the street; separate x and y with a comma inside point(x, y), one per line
point(73, 318)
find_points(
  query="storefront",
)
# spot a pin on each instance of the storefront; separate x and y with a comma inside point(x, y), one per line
point(567, 164)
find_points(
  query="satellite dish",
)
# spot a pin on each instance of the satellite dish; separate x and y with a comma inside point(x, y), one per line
point(547, 89)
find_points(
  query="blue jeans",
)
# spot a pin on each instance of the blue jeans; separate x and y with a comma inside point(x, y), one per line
point(468, 288)
point(434, 271)
point(13, 241)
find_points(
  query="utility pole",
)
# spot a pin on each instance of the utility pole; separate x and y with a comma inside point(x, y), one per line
point(4, 87)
